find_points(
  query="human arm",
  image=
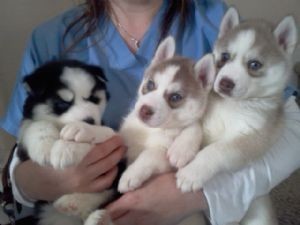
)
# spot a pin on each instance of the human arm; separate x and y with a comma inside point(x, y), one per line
point(95, 173)
point(157, 202)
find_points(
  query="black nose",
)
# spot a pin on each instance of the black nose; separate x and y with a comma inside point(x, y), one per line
point(226, 85)
point(89, 120)
point(146, 112)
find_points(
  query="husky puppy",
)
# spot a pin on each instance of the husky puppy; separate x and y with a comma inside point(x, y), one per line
point(163, 129)
point(245, 110)
point(62, 121)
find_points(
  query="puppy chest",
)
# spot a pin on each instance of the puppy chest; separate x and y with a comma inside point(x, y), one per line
point(227, 122)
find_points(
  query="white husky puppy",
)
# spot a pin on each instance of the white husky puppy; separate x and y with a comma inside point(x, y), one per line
point(165, 120)
point(244, 114)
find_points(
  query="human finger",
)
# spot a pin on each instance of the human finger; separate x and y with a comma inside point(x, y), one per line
point(104, 165)
point(104, 181)
point(102, 150)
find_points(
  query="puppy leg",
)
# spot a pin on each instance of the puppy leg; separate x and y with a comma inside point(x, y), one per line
point(149, 162)
point(67, 153)
point(38, 138)
point(185, 146)
point(260, 212)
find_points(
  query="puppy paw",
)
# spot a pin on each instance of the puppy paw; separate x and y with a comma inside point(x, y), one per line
point(132, 179)
point(78, 132)
point(192, 177)
point(179, 157)
point(83, 132)
point(72, 205)
point(98, 217)
point(66, 206)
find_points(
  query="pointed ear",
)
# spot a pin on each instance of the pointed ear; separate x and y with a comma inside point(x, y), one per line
point(205, 71)
point(286, 34)
point(165, 50)
point(33, 85)
point(37, 82)
point(229, 21)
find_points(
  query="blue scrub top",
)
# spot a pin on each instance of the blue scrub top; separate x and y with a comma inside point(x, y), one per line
point(106, 48)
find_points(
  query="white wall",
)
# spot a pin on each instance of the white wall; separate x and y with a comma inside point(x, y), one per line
point(18, 17)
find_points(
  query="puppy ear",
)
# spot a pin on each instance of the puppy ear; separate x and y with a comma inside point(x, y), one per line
point(229, 21)
point(33, 84)
point(165, 50)
point(205, 71)
point(286, 34)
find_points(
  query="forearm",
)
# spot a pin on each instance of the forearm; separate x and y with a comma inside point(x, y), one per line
point(48, 185)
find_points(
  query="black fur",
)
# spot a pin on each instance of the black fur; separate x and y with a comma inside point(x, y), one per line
point(44, 82)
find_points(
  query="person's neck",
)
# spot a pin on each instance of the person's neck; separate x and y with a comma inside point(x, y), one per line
point(135, 16)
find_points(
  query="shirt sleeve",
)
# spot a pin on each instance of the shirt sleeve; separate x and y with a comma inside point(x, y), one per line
point(229, 195)
point(17, 193)
point(31, 60)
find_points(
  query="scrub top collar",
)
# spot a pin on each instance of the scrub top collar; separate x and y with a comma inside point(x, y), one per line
point(113, 50)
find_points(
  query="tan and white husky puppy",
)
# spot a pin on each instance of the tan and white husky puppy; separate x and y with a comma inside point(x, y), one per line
point(245, 110)
point(163, 129)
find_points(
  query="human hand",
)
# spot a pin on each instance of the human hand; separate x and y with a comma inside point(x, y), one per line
point(158, 202)
point(98, 168)
point(94, 173)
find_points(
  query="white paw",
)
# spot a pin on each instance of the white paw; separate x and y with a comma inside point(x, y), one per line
point(73, 205)
point(77, 131)
point(132, 179)
point(67, 153)
point(179, 156)
point(66, 206)
point(190, 178)
point(83, 132)
point(98, 217)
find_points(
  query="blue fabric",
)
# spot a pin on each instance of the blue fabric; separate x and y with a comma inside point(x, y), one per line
point(107, 49)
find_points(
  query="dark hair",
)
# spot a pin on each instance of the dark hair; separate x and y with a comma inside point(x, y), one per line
point(95, 9)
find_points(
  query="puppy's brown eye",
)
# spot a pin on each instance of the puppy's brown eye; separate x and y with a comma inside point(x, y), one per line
point(254, 65)
point(150, 85)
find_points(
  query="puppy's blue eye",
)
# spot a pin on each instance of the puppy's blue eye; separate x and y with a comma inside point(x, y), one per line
point(254, 65)
point(174, 98)
point(150, 85)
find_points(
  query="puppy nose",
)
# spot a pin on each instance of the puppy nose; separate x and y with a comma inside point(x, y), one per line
point(226, 85)
point(146, 112)
point(89, 120)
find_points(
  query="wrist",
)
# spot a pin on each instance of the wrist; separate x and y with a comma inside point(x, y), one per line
point(196, 201)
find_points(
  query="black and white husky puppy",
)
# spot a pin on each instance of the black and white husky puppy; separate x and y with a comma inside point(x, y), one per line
point(245, 110)
point(163, 129)
point(62, 121)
